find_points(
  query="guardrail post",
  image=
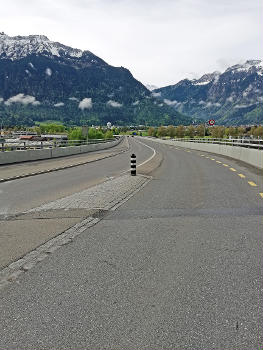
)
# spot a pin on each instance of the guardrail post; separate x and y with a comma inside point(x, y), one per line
point(24, 145)
point(133, 165)
point(3, 146)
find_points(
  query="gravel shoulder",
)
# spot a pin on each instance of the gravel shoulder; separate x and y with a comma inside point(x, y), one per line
point(41, 224)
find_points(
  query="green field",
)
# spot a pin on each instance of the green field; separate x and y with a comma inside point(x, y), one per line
point(59, 122)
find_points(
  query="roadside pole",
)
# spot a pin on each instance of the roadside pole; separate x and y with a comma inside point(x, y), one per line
point(133, 165)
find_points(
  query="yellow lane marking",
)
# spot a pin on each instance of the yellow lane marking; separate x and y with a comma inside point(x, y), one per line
point(225, 165)
point(241, 175)
point(189, 151)
point(218, 161)
point(232, 169)
point(251, 183)
point(212, 158)
point(261, 195)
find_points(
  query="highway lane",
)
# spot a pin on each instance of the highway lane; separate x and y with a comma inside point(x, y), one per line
point(23, 194)
point(176, 267)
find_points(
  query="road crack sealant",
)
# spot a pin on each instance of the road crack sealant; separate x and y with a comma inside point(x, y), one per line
point(104, 197)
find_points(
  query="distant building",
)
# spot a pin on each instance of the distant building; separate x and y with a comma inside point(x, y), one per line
point(54, 136)
point(23, 133)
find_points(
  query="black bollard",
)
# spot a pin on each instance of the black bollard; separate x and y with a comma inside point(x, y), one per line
point(133, 165)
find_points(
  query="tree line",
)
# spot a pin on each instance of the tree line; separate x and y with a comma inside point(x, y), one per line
point(73, 133)
point(191, 131)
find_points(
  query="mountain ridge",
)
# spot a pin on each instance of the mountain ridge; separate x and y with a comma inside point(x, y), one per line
point(42, 80)
point(234, 96)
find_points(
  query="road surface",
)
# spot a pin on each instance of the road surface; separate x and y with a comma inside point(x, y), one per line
point(178, 266)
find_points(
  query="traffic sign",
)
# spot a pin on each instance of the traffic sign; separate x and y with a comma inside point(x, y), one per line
point(211, 122)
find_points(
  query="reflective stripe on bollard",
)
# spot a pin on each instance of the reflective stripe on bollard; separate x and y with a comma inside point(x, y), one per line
point(133, 165)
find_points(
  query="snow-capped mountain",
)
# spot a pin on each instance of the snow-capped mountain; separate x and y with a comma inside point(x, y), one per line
point(41, 79)
point(249, 66)
point(17, 47)
point(234, 96)
point(151, 87)
point(206, 79)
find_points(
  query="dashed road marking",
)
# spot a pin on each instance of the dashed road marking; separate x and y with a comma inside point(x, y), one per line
point(225, 165)
point(218, 161)
point(212, 158)
point(202, 155)
point(232, 169)
point(251, 183)
point(261, 195)
point(207, 157)
point(241, 175)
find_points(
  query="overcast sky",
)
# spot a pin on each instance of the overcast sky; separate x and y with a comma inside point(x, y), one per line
point(159, 41)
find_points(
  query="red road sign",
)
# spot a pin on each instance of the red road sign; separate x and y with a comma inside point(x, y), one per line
point(211, 122)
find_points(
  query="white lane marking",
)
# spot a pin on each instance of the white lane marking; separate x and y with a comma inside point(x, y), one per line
point(147, 160)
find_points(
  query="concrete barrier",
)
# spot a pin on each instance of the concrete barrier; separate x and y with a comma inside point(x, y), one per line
point(65, 151)
point(10, 157)
point(248, 155)
point(23, 156)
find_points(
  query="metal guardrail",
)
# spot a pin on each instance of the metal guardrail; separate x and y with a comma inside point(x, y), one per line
point(247, 143)
point(26, 145)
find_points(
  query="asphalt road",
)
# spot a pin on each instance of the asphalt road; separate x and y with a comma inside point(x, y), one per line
point(21, 234)
point(27, 193)
point(178, 266)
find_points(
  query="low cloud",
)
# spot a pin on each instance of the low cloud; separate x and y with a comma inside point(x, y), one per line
point(1, 99)
point(230, 99)
point(48, 72)
point(114, 104)
point(59, 104)
point(170, 103)
point(73, 98)
point(156, 94)
point(86, 103)
point(243, 105)
point(24, 99)
point(209, 104)
point(135, 103)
